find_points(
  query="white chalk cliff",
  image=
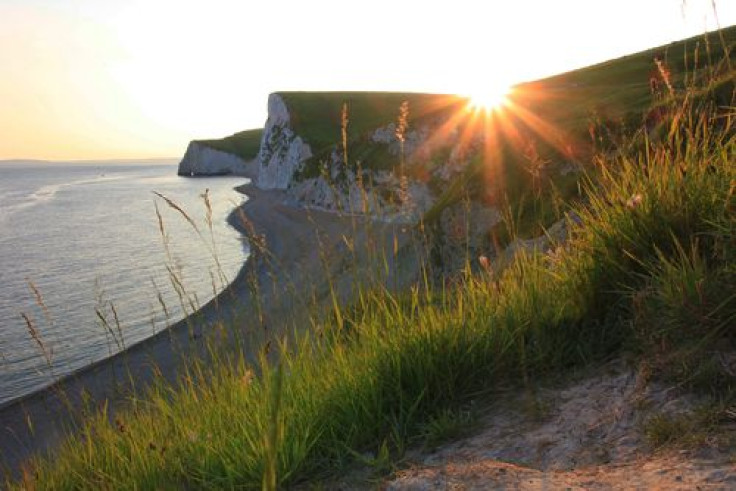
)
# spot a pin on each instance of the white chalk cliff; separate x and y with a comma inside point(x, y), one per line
point(201, 160)
point(282, 151)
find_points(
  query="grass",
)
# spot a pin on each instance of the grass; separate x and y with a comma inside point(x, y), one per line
point(648, 268)
point(620, 88)
point(697, 428)
point(317, 118)
point(447, 425)
point(244, 144)
point(607, 103)
point(608, 96)
point(318, 115)
point(398, 371)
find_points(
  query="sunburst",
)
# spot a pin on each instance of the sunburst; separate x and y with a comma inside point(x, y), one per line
point(489, 97)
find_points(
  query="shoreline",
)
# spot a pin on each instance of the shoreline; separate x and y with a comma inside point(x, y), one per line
point(297, 241)
point(51, 409)
point(114, 379)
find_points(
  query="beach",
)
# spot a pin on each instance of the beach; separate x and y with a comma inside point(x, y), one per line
point(281, 287)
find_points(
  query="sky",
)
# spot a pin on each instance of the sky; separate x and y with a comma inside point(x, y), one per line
point(117, 79)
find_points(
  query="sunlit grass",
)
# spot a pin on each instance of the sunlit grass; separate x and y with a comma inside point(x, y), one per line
point(399, 365)
point(647, 267)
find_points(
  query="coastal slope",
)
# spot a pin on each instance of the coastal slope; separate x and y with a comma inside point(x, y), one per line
point(224, 156)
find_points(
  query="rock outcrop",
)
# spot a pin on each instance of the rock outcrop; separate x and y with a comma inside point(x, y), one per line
point(282, 151)
point(201, 160)
point(284, 155)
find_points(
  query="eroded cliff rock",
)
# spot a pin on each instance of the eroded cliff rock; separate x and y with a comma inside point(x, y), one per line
point(282, 151)
point(200, 160)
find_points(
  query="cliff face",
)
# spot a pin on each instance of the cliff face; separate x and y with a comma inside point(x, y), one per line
point(347, 188)
point(286, 161)
point(200, 160)
point(282, 152)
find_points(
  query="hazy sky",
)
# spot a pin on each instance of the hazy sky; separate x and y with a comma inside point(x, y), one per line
point(140, 78)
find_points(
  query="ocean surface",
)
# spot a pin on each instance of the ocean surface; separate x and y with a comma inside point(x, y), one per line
point(86, 270)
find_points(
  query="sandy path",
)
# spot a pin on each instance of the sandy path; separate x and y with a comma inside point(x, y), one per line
point(576, 431)
point(280, 284)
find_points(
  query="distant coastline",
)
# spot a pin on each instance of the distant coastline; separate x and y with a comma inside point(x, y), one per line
point(91, 162)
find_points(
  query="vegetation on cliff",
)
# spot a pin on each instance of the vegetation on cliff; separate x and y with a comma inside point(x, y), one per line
point(244, 144)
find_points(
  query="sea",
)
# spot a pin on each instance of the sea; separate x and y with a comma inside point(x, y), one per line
point(96, 256)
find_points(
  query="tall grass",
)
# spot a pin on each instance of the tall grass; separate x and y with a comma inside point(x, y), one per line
point(647, 267)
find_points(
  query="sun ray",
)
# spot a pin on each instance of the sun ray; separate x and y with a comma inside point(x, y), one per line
point(545, 130)
point(495, 132)
point(443, 134)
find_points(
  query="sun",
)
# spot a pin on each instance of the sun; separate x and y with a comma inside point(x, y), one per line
point(489, 97)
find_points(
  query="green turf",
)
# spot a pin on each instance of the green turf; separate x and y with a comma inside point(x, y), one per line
point(244, 144)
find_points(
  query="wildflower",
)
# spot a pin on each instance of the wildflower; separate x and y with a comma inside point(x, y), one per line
point(635, 201)
point(485, 263)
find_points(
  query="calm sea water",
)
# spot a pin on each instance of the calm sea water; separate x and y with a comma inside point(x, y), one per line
point(86, 238)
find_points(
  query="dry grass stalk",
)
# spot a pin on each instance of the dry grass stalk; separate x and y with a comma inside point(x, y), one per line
point(39, 301)
point(401, 128)
point(344, 128)
point(117, 324)
point(36, 336)
point(176, 207)
point(666, 76)
point(108, 328)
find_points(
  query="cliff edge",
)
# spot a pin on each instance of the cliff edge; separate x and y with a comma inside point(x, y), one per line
point(201, 160)
point(224, 156)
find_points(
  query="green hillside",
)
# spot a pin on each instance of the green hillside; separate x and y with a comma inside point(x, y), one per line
point(573, 116)
point(244, 144)
point(611, 90)
point(317, 116)
point(620, 88)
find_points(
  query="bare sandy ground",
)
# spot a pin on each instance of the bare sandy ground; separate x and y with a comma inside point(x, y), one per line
point(280, 288)
point(584, 432)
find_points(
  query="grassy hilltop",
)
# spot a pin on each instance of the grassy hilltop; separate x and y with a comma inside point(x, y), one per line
point(647, 270)
point(244, 144)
